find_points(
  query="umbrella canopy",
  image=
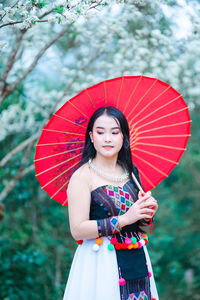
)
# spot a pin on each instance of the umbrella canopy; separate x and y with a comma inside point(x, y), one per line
point(159, 124)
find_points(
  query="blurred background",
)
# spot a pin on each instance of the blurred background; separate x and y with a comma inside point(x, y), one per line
point(49, 52)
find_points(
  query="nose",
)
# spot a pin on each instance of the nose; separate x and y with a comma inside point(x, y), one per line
point(107, 137)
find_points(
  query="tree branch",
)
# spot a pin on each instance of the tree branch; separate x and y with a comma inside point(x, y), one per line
point(10, 88)
point(21, 173)
point(31, 139)
point(13, 182)
point(11, 59)
point(19, 148)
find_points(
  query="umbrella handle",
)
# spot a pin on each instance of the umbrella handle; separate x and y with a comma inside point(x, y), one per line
point(142, 191)
point(137, 182)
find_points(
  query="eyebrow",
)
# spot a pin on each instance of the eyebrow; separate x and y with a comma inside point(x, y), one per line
point(99, 127)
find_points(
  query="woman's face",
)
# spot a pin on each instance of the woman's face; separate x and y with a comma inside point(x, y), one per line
point(107, 136)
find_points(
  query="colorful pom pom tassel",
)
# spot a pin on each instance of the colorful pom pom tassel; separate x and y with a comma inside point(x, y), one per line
point(111, 246)
point(95, 247)
point(99, 241)
point(149, 273)
point(79, 242)
point(122, 281)
point(128, 241)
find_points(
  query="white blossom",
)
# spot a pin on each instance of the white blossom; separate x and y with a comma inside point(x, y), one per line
point(3, 44)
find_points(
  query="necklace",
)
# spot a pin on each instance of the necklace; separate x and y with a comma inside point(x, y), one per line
point(107, 175)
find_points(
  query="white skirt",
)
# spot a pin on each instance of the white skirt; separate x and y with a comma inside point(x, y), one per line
point(94, 275)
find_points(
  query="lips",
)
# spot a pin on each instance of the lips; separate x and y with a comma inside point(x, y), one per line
point(107, 147)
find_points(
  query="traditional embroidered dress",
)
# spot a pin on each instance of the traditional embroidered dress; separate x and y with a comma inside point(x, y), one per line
point(94, 275)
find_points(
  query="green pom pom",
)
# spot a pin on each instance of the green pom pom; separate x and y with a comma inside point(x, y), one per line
point(134, 240)
point(111, 247)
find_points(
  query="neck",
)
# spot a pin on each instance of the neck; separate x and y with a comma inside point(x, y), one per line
point(106, 163)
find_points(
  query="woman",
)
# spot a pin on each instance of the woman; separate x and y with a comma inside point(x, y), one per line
point(106, 211)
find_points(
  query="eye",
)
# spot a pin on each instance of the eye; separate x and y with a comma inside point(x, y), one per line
point(115, 132)
point(99, 132)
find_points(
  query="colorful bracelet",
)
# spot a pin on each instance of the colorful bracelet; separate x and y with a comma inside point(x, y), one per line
point(108, 226)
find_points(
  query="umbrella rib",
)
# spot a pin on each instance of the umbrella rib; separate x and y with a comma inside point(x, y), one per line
point(53, 130)
point(153, 167)
point(66, 198)
point(138, 102)
point(61, 143)
point(104, 85)
point(70, 102)
point(122, 80)
point(156, 155)
point(142, 173)
point(62, 188)
point(165, 126)
point(57, 177)
point(156, 145)
point(165, 116)
point(90, 98)
point(59, 190)
point(58, 154)
point(157, 109)
point(162, 136)
point(132, 93)
point(149, 102)
point(63, 162)
point(69, 121)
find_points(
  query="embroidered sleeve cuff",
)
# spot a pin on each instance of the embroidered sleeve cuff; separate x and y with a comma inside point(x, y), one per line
point(108, 226)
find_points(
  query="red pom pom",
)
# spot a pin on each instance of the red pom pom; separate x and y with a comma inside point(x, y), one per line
point(79, 242)
point(146, 241)
point(113, 241)
point(117, 246)
point(124, 246)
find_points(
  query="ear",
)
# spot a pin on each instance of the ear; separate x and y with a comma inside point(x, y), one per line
point(91, 136)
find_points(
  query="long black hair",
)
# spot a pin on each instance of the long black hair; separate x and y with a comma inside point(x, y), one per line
point(124, 155)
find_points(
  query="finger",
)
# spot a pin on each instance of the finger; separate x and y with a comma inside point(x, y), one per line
point(151, 201)
point(143, 199)
point(144, 194)
point(144, 216)
point(146, 205)
point(147, 210)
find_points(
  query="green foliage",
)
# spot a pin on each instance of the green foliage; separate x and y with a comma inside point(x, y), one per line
point(33, 246)
point(59, 9)
point(39, 3)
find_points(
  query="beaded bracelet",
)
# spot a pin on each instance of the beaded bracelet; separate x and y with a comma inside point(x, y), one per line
point(108, 226)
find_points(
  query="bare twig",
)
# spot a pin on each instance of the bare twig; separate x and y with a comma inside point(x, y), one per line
point(18, 22)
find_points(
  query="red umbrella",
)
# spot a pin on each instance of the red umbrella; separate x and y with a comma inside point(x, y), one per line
point(159, 125)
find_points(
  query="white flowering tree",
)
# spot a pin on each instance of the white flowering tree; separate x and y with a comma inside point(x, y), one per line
point(82, 44)
point(51, 50)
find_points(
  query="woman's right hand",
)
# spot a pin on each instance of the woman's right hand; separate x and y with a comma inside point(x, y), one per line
point(139, 210)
